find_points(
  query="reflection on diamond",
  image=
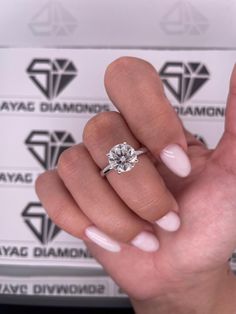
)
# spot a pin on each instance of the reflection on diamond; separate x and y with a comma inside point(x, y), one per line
point(122, 157)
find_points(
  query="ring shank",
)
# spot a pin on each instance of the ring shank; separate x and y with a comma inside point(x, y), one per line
point(107, 169)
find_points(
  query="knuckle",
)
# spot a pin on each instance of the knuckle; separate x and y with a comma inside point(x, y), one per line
point(68, 161)
point(154, 207)
point(120, 230)
point(142, 205)
point(98, 127)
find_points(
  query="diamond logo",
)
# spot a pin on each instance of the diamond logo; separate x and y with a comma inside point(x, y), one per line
point(183, 80)
point(39, 223)
point(53, 19)
point(201, 139)
point(47, 146)
point(184, 18)
point(51, 76)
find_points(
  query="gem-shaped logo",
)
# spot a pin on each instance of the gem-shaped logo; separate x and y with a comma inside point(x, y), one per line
point(201, 139)
point(47, 146)
point(39, 223)
point(184, 18)
point(53, 19)
point(51, 76)
point(183, 80)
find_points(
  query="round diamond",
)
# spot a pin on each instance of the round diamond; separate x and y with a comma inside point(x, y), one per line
point(122, 157)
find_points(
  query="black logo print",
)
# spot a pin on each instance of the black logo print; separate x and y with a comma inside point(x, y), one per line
point(183, 80)
point(47, 146)
point(201, 139)
point(39, 223)
point(51, 76)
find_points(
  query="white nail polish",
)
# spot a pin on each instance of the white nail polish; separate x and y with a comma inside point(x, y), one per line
point(175, 158)
point(169, 222)
point(146, 241)
point(101, 239)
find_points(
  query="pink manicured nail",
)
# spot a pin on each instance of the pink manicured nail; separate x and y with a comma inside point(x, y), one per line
point(146, 241)
point(175, 158)
point(169, 222)
point(101, 239)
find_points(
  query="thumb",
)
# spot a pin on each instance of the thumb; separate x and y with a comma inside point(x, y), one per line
point(230, 115)
point(225, 151)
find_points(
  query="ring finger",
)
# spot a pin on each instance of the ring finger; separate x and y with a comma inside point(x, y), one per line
point(142, 189)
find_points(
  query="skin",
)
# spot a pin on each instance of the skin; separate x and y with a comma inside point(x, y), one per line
point(190, 272)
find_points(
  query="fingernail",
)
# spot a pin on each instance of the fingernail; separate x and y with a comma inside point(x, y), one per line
point(175, 158)
point(101, 239)
point(169, 222)
point(146, 241)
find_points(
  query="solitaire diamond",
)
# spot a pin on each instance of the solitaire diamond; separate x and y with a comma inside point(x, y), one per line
point(122, 157)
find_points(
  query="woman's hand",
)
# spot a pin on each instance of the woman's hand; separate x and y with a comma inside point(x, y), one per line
point(177, 263)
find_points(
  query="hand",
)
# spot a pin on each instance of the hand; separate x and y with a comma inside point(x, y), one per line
point(150, 258)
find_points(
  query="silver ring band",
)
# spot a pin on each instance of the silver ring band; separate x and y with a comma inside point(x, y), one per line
point(122, 158)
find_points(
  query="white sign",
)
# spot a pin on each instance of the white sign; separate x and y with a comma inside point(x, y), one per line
point(47, 96)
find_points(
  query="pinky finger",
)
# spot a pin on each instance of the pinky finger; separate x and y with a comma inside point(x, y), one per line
point(66, 214)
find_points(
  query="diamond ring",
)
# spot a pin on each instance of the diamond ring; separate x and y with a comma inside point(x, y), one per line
point(122, 158)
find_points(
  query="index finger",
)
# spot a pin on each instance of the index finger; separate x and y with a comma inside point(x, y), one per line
point(135, 88)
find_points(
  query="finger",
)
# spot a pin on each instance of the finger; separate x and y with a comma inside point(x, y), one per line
point(230, 125)
point(59, 204)
point(63, 210)
point(225, 151)
point(142, 188)
point(67, 215)
point(98, 201)
point(136, 90)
